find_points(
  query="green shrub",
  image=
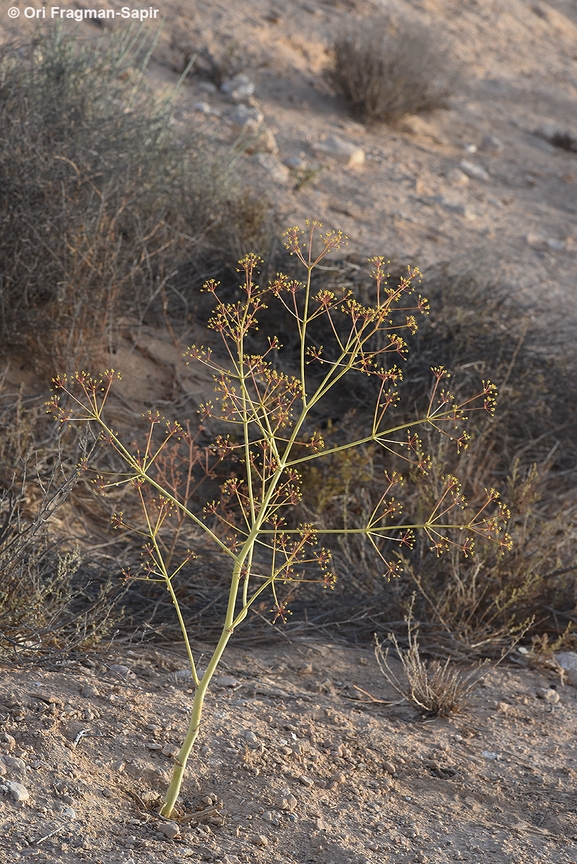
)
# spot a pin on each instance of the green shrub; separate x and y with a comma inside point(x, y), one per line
point(100, 206)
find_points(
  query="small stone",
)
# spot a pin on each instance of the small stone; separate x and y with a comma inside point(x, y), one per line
point(238, 88)
point(119, 670)
point(260, 840)
point(456, 177)
point(275, 169)
point(549, 694)
point(492, 144)
point(17, 791)
point(295, 162)
point(567, 660)
point(476, 172)
point(455, 207)
point(557, 245)
point(341, 150)
point(491, 756)
point(470, 148)
point(389, 767)
point(287, 802)
point(13, 764)
point(7, 741)
point(306, 781)
point(170, 750)
point(89, 691)
point(338, 778)
point(245, 118)
point(170, 830)
point(264, 142)
point(153, 745)
point(201, 107)
point(67, 799)
point(250, 738)
point(68, 811)
point(227, 681)
point(207, 87)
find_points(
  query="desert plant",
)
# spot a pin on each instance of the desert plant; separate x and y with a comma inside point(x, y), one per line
point(51, 597)
point(100, 205)
point(436, 688)
point(270, 415)
point(386, 68)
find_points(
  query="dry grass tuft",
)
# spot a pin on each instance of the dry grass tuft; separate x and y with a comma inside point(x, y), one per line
point(435, 688)
point(386, 68)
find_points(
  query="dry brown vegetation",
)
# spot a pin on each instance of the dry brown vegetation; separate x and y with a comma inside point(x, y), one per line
point(386, 68)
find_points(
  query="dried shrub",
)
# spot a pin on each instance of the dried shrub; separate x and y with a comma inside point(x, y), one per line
point(389, 67)
point(100, 205)
point(527, 451)
point(436, 688)
point(51, 597)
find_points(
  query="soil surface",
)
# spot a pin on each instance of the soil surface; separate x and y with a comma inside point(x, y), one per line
point(293, 763)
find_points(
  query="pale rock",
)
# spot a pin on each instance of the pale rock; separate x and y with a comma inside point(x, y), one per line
point(238, 88)
point(567, 660)
point(207, 87)
point(245, 118)
point(470, 148)
point(13, 764)
point(250, 738)
point(491, 756)
point(119, 670)
point(306, 781)
point(549, 694)
point(287, 801)
point(263, 141)
point(454, 207)
point(341, 150)
point(456, 177)
point(492, 144)
point(170, 750)
point(183, 674)
point(476, 172)
point(295, 162)
point(227, 680)
point(69, 812)
point(260, 840)
point(18, 792)
point(389, 767)
point(277, 172)
point(7, 741)
point(171, 830)
point(201, 107)
point(557, 245)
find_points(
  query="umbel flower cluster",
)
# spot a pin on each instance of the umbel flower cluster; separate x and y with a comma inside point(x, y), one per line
point(266, 420)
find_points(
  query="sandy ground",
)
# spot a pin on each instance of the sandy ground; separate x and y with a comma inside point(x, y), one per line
point(294, 764)
point(369, 782)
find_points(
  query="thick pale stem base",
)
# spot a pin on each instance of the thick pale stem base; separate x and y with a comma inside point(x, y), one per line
point(193, 728)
